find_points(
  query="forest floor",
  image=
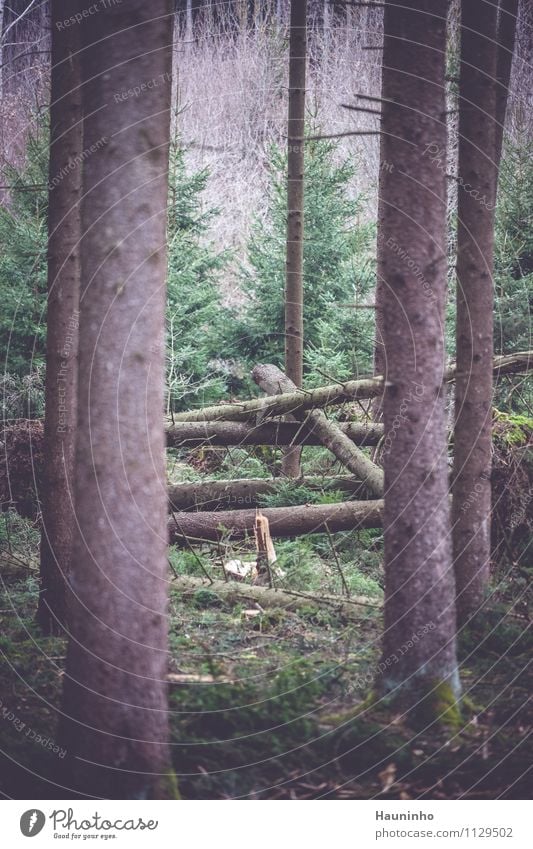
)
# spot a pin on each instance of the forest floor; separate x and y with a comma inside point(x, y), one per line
point(261, 704)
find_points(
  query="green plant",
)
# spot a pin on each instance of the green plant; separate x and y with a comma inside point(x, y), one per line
point(338, 270)
point(513, 269)
point(22, 396)
point(23, 235)
point(195, 370)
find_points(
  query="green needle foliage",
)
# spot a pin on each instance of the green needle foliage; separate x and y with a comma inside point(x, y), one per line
point(195, 372)
point(514, 249)
point(23, 236)
point(338, 270)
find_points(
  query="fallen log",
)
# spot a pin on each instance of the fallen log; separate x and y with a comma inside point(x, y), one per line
point(247, 492)
point(275, 433)
point(235, 593)
point(273, 381)
point(283, 521)
point(258, 409)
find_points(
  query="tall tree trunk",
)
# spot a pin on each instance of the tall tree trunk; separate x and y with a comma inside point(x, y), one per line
point(115, 704)
point(64, 231)
point(505, 39)
point(294, 286)
point(419, 583)
point(380, 297)
point(2, 5)
point(381, 290)
point(474, 323)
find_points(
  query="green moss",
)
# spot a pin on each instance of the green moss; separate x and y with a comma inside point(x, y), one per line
point(167, 786)
point(440, 706)
point(512, 430)
point(469, 706)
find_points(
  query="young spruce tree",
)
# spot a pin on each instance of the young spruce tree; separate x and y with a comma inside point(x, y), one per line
point(338, 270)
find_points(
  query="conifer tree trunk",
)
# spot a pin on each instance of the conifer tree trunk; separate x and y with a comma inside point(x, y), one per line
point(115, 704)
point(380, 296)
point(474, 323)
point(506, 34)
point(64, 233)
point(381, 292)
point(2, 5)
point(419, 583)
point(294, 286)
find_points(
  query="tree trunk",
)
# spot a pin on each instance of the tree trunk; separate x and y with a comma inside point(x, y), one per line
point(64, 232)
point(2, 5)
point(247, 492)
point(115, 726)
point(379, 350)
point(505, 41)
point(190, 528)
point(381, 286)
point(474, 322)
point(294, 280)
point(271, 380)
point(194, 434)
point(419, 585)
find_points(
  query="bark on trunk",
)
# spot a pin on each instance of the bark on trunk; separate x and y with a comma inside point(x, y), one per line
point(294, 278)
point(272, 380)
point(419, 584)
point(506, 34)
point(190, 528)
point(379, 350)
point(232, 494)
point(194, 434)
point(2, 4)
point(474, 322)
point(64, 232)
point(381, 285)
point(115, 726)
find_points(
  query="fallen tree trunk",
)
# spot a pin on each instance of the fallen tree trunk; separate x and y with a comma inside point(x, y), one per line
point(235, 593)
point(284, 521)
point(272, 381)
point(258, 409)
point(275, 433)
point(247, 492)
